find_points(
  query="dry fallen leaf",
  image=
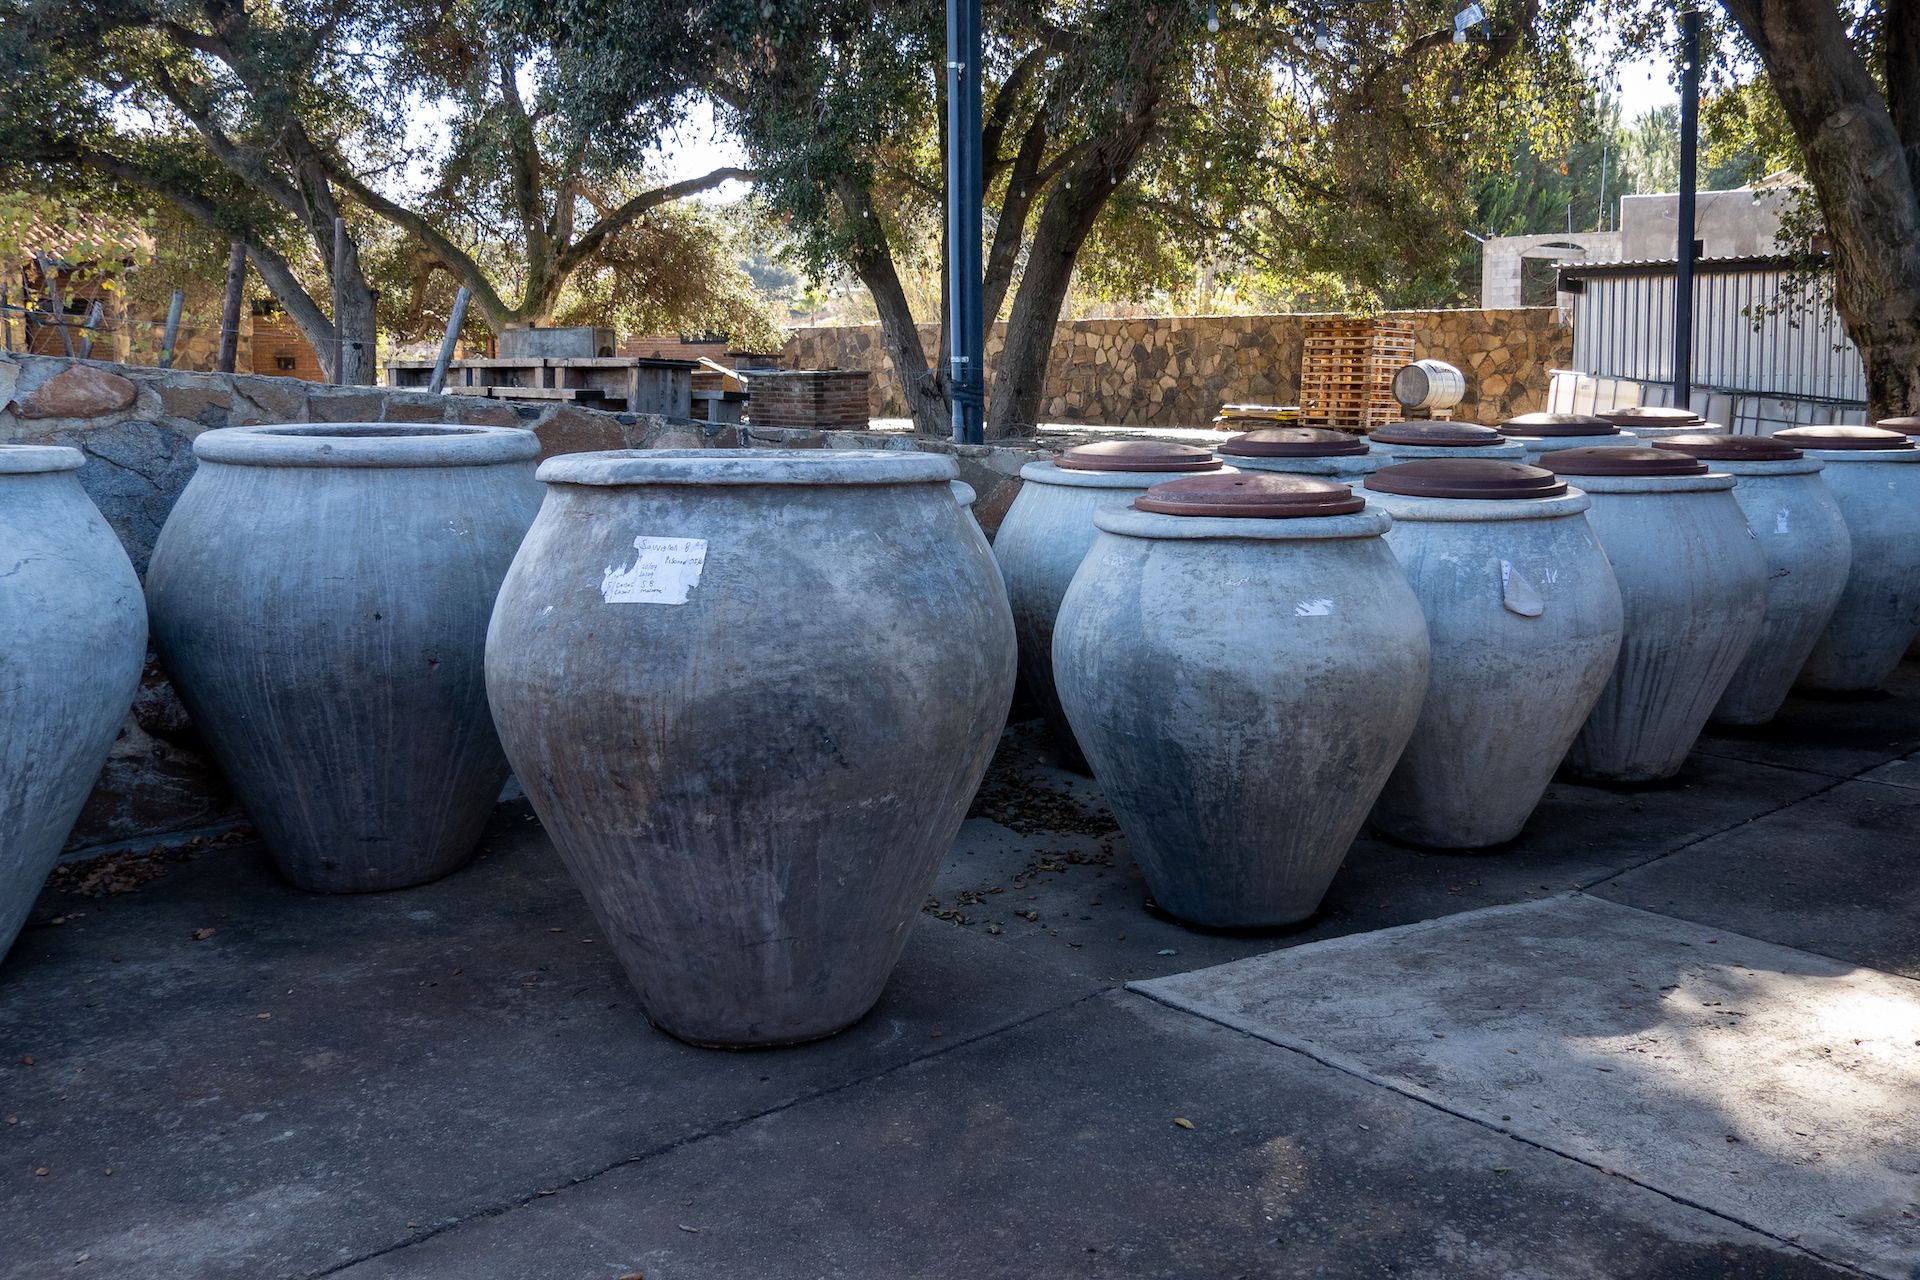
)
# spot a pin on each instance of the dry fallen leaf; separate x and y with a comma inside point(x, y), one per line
point(201, 935)
point(41, 1172)
point(692, 1231)
point(27, 1061)
point(263, 1016)
point(1183, 1122)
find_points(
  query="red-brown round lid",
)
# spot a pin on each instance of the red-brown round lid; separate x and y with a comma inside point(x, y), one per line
point(1649, 415)
point(1438, 435)
point(1558, 424)
point(1293, 442)
point(1609, 461)
point(1137, 455)
point(1467, 478)
point(1260, 495)
point(1722, 447)
point(1843, 438)
point(1906, 426)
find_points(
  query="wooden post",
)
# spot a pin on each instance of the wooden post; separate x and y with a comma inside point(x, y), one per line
point(438, 382)
point(230, 307)
point(93, 322)
point(59, 307)
point(6, 322)
point(173, 329)
point(339, 274)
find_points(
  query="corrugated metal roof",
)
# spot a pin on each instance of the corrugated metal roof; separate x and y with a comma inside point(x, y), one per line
point(1574, 270)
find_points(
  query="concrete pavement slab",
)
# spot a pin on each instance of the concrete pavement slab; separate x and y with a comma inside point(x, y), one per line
point(1041, 867)
point(281, 1082)
point(1840, 736)
point(1765, 1084)
point(1056, 1149)
point(1838, 875)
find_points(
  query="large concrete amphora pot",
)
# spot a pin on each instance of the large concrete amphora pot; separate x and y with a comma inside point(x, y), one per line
point(1047, 530)
point(750, 694)
point(73, 637)
point(1303, 451)
point(1543, 433)
point(1693, 593)
point(1243, 660)
point(1874, 475)
point(1524, 619)
point(1803, 536)
point(1413, 441)
point(320, 597)
point(1909, 427)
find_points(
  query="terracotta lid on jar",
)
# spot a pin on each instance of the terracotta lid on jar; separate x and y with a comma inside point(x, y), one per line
point(1721, 447)
point(1438, 435)
point(1906, 426)
point(1467, 478)
point(1651, 416)
point(1137, 455)
point(1843, 438)
point(1609, 461)
point(1262, 496)
point(1558, 424)
point(1293, 442)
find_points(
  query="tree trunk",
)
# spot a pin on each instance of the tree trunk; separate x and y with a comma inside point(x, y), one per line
point(1082, 190)
point(1856, 162)
point(924, 387)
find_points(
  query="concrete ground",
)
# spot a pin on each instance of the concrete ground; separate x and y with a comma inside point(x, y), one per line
point(205, 1073)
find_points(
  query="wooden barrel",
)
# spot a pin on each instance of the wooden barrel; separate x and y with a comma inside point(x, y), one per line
point(1429, 384)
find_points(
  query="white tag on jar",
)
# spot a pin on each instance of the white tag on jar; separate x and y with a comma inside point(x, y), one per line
point(664, 571)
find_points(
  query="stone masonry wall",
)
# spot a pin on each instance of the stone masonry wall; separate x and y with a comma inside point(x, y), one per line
point(136, 426)
point(1176, 371)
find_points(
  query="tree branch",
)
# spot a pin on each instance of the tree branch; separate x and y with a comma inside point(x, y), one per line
point(647, 201)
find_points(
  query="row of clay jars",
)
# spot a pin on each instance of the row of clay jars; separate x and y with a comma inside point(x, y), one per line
point(342, 676)
point(1874, 476)
point(73, 637)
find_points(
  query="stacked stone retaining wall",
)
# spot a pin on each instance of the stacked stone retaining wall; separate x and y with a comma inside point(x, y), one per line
point(1176, 371)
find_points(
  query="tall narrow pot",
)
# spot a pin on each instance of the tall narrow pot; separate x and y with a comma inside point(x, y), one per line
point(320, 597)
point(1047, 531)
point(1803, 536)
point(1874, 476)
point(1524, 618)
point(1243, 660)
point(1692, 591)
point(73, 636)
point(750, 694)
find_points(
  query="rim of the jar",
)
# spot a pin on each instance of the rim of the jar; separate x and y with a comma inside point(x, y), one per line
point(1343, 464)
point(1044, 472)
point(1505, 450)
point(1707, 482)
point(1410, 509)
point(39, 459)
point(366, 444)
point(1129, 522)
point(703, 467)
point(1862, 455)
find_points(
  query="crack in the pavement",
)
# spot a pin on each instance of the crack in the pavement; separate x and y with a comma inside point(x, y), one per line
point(685, 1140)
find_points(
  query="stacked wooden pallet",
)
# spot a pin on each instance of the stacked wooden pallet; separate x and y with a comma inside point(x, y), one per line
point(1346, 371)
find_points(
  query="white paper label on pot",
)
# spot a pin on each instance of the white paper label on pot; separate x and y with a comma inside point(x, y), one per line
point(1321, 608)
point(1519, 595)
point(663, 571)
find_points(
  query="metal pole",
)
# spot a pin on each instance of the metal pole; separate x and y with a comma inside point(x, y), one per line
point(6, 323)
point(1683, 258)
point(230, 307)
point(173, 329)
point(966, 304)
point(438, 382)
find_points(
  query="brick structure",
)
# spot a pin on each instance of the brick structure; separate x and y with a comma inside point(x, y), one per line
point(812, 399)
